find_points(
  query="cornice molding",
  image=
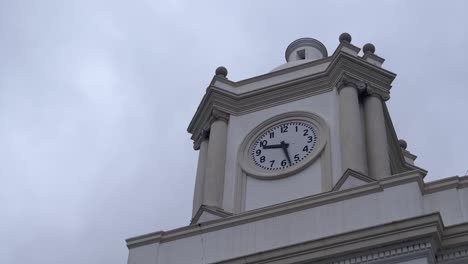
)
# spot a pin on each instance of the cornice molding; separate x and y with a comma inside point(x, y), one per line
point(284, 208)
point(454, 235)
point(454, 256)
point(235, 103)
point(455, 182)
point(400, 253)
point(425, 232)
point(373, 59)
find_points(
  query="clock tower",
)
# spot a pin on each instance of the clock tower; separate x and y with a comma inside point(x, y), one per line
point(312, 125)
point(303, 165)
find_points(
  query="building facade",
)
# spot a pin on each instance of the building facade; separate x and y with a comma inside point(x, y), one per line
point(303, 165)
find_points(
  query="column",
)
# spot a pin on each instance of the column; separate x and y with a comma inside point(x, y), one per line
point(353, 155)
point(376, 132)
point(213, 187)
point(202, 145)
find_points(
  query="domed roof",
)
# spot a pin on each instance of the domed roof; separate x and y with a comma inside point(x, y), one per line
point(301, 51)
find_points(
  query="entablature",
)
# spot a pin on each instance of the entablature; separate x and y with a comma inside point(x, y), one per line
point(238, 98)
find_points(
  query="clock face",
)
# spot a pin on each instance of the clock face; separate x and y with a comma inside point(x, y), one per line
point(284, 145)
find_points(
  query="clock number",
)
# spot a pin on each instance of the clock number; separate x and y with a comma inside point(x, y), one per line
point(306, 149)
point(310, 139)
point(272, 134)
point(283, 163)
point(272, 162)
point(296, 128)
point(284, 129)
point(296, 158)
point(306, 132)
point(263, 143)
point(258, 152)
point(262, 159)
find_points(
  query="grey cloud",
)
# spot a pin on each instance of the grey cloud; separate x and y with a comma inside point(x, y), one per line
point(95, 98)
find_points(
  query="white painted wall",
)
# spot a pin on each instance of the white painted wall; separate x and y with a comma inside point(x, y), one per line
point(392, 204)
point(395, 203)
point(452, 204)
point(325, 105)
point(147, 254)
point(261, 193)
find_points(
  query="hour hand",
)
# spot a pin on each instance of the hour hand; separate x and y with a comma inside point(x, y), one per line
point(272, 146)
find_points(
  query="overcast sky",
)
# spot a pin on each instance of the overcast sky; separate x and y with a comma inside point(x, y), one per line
point(96, 96)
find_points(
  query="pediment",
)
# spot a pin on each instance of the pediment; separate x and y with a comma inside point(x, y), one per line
point(351, 179)
point(208, 213)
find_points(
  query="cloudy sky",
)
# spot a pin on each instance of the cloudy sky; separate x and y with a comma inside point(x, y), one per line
point(96, 96)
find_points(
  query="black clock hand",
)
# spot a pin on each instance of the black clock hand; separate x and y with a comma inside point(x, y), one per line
point(285, 146)
point(272, 146)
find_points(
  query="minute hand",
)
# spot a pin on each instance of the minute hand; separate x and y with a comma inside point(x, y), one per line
point(285, 146)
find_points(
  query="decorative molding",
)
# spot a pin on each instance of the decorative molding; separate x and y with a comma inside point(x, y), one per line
point(150, 238)
point(349, 81)
point(226, 95)
point(399, 252)
point(425, 232)
point(287, 207)
point(351, 173)
point(379, 93)
point(455, 182)
point(211, 210)
point(217, 114)
point(459, 255)
point(455, 236)
point(373, 59)
point(348, 48)
point(204, 135)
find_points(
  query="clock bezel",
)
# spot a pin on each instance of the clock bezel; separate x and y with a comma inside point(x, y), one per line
point(247, 164)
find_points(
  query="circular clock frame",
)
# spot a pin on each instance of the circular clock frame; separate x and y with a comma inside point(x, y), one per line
point(248, 165)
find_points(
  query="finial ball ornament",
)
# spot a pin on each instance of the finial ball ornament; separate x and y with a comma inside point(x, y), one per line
point(345, 37)
point(403, 144)
point(369, 47)
point(221, 71)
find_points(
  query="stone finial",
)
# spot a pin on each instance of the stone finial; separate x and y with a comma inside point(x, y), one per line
point(369, 47)
point(345, 37)
point(221, 71)
point(403, 143)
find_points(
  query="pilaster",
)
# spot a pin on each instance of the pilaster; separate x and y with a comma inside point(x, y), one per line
point(376, 134)
point(353, 155)
point(213, 186)
point(202, 145)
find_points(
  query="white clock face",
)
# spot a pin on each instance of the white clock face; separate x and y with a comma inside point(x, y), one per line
point(284, 145)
